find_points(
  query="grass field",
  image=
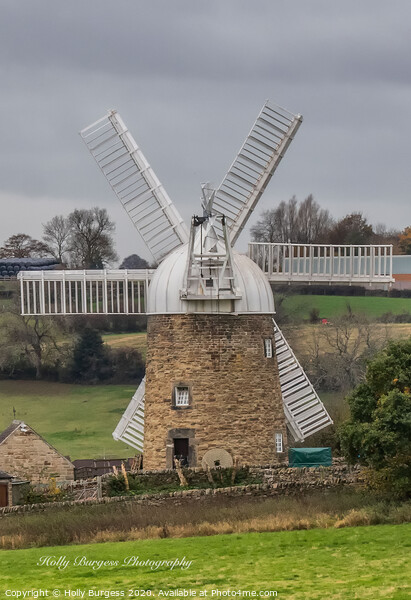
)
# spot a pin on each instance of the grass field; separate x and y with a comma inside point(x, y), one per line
point(77, 420)
point(299, 306)
point(206, 515)
point(305, 332)
point(358, 562)
point(134, 340)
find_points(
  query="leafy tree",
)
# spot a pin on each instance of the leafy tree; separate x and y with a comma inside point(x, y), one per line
point(127, 363)
point(21, 245)
point(91, 361)
point(405, 241)
point(134, 261)
point(378, 434)
point(56, 235)
point(352, 229)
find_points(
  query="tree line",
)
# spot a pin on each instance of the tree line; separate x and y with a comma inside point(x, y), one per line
point(67, 349)
point(81, 240)
point(84, 238)
point(305, 222)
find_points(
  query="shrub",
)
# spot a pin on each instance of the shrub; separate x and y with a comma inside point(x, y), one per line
point(90, 362)
point(378, 434)
point(314, 315)
point(127, 365)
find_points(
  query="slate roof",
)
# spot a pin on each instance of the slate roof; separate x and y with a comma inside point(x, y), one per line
point(4, 475)
point(9, 430)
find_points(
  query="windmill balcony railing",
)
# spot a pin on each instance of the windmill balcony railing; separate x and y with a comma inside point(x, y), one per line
point(84, 292)
point(322, 263)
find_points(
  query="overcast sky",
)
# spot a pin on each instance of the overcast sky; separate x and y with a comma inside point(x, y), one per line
point(189, 78)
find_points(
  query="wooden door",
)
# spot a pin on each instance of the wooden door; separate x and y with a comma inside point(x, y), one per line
point(4, 496)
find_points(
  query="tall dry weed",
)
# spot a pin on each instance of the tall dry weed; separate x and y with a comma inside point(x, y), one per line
point(210, 516)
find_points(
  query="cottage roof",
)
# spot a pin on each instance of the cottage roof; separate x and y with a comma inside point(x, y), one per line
point(16, 424)
point(9, 430)
point(4, 475)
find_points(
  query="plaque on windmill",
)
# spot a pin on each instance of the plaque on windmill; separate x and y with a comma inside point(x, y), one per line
point(220, 379)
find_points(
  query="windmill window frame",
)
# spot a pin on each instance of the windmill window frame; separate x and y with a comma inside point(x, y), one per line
point(181, 396)
point(279, 445)
point(268, 347)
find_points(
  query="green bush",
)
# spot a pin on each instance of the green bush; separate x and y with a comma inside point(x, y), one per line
point(378, 433)
point(92, 361)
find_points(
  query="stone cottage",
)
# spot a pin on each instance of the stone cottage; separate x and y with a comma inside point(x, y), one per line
point(5, 489)
point(27, 455)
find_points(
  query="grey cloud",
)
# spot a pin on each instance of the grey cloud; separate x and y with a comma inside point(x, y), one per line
point(188, 78)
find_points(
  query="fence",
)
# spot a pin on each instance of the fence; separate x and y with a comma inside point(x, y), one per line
point(84, 292)
point(307, 263)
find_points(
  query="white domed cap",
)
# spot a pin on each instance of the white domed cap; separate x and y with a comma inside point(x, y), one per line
point(168, 281)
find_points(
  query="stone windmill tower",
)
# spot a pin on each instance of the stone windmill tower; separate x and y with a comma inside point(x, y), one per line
point(221, 381)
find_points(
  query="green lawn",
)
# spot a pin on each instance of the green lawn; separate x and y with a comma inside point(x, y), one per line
point(334, 306)
point(78, 420)
point(359, 562)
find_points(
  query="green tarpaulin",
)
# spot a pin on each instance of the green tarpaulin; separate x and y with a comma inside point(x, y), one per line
point(309, 457)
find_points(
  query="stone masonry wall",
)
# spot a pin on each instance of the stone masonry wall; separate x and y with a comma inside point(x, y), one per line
point(235, 396)
point(28, 456)
point(279, 481)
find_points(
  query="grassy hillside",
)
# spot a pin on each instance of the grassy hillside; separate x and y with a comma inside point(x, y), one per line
point(134, 340)
point(299, 306)
point(77, 420)
point(358, 562)
point(300, 341)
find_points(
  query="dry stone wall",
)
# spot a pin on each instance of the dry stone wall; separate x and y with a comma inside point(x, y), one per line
point(279, 481)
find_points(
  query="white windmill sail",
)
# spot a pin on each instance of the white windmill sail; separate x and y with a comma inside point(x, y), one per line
point(254, 165)
point(130, 428)
point(304, 412)
point(135, 185)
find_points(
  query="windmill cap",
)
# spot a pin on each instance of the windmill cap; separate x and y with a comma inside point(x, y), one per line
point(164, 294)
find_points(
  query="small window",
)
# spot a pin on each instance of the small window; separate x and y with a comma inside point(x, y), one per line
point(268, 348)
point(279, 442)
point(182, 396)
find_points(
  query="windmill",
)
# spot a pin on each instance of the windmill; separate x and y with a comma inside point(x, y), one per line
point(221, 380)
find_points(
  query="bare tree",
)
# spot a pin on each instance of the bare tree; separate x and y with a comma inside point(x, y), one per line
point(91, 242)
point(22, 245)
point(314, 222)
point(31, 338)
point(303, 223)
point(336, 355)
point(266, 228)
point(56, 235)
